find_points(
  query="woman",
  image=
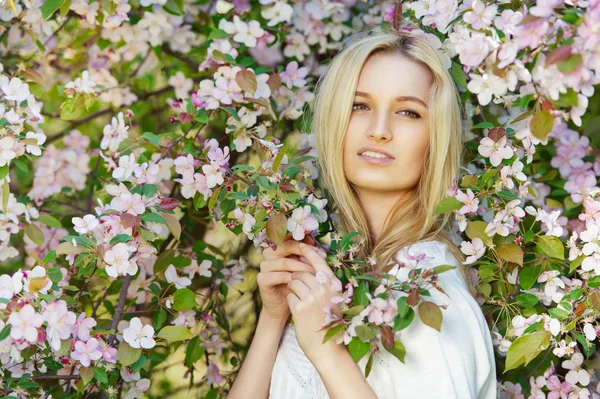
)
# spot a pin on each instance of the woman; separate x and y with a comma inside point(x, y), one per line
point(387, 120)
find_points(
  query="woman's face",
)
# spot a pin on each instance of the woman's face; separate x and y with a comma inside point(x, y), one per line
point(389, 116)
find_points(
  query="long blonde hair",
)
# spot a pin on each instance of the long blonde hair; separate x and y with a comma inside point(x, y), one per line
point(412, 219)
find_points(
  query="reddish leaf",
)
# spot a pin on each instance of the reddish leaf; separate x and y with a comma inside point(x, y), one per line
point(274, 82)
point(184, 117)
point(129, 220)
point(169, 203)
point(547, 105)
point(287, 186)
point(497, 133)
point(558, 55)
point(397, 18)
point(246, 80)
point(413, 297)
point(277, 227)
point(431, 314)
point(580, 308)
point(387, 337)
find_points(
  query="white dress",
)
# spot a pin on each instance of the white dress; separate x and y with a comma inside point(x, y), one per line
point(456, 363)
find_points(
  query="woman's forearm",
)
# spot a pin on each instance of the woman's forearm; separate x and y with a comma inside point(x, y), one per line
point(341, 376)
point(254, 377)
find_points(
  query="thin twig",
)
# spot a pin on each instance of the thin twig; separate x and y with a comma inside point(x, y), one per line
point(119, 309)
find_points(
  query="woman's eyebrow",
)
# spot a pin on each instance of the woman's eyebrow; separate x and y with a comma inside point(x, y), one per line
point(399, 98)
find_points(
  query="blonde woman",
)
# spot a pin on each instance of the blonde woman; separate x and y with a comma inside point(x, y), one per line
point(388, 127)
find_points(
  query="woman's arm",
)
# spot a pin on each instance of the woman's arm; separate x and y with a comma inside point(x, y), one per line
point(254, 377)
point(341, 376)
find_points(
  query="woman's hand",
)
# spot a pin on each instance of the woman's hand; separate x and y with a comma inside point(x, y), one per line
point(310, 294)
point(275, 272)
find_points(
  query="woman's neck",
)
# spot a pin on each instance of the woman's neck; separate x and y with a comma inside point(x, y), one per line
point(377, 205)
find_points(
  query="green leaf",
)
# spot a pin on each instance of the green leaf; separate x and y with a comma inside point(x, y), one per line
point(541, 124)
point(447, 205)
point(100, 375)
point(128, 355)
point(594, 282)
point(3, 171)
point(527, 300)
point(151, 137)
point(484, 125)
point(557, 313)
point(152, 217)
point(476, 229)
point(369, 366)
point(358, 349)
point(576, 263)
point(365, 333)
point(50, 256)
point(232, 112)
point(159, 318)
point(175, 333)
point(55, 274)
point(570, 64)
point(588, 348)
point(184, 299)
point(431, 314)
point(120, 238)
point(528, 276)
point(194, 351)
point(511, 253)
point(443, 268)
point(525, 348)
point(398, 350)
point(51, 221)
point(5, 332)
point(458, 75)
point(332, 332)
point(551, 246)
point(34, 233)
point(49, 7)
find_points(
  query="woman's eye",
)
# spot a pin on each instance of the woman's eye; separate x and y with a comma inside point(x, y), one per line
point(411, 114)
point(407, 112)
point(357, 105)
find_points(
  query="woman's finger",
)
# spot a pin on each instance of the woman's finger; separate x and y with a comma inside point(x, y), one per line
point(307, 278)
point(315, 260)
point(285, 265)
point(288, 248)
point(293, 302)
point(299, 288)
point(269, 279)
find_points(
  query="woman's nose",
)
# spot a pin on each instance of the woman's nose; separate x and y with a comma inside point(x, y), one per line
point(380, 131)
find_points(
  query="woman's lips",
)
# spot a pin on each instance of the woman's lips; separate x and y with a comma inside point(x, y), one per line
point(376, 161)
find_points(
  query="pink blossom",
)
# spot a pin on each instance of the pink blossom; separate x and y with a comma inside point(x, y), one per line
point(301, 222)
point(85, 352)
point(495, 150)
point(481, 16)
point(381, 310)
point(213, 174)
point(545, 8)
point(85, 225)
point(213, 376)
point(474, 249)
point(470, 202)
point(558, 389)
point(294, 76)
point(219, 156)
point(531, 34)
point(346, 296)
point(25, 323)
point(138, 335)
point(172, 277)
